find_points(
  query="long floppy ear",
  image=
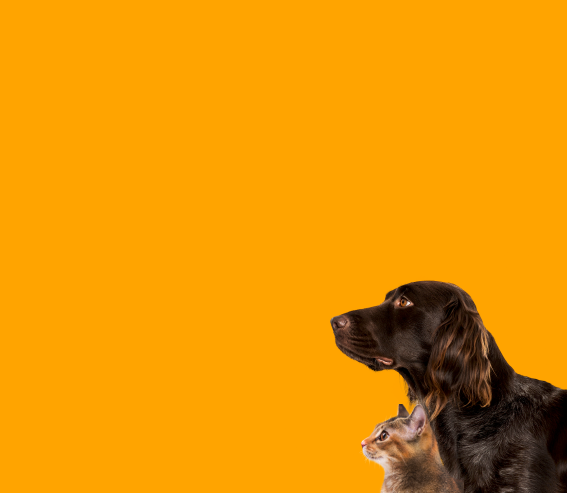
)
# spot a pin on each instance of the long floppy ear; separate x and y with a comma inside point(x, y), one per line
point(459, 368)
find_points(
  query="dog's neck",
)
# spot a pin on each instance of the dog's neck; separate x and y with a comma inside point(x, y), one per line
point(502, 375)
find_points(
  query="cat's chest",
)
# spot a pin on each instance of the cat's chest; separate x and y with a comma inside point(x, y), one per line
point(393, 484)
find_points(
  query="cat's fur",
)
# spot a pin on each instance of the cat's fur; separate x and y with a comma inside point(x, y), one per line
point(409, 455)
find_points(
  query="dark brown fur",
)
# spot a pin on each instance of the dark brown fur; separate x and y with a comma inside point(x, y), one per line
point(459, 363)
point(497, 431)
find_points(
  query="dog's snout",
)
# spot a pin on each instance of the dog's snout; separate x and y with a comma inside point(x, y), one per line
point(339, 322)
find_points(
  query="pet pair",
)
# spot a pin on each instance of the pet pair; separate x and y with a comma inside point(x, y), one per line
point(497, 431)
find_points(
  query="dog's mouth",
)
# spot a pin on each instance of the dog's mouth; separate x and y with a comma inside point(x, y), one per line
point(377, 363)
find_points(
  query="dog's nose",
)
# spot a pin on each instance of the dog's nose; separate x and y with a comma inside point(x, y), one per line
point(363, 443)
point(339, 322)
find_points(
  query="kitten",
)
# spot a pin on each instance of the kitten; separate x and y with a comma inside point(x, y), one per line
point(407, 450)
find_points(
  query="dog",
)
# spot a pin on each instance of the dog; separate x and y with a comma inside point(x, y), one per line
point(498, 432)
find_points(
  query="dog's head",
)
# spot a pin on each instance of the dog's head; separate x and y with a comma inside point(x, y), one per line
point(431, 333)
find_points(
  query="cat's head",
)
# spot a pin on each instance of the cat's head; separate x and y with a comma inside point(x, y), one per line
point(398, 438)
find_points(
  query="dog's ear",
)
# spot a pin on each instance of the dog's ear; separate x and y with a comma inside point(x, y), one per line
point(417, 420)
point(402, 411)
point(459, 368)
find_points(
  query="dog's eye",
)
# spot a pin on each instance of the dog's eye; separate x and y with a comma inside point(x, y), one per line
point(383, 436)
point(405, 302)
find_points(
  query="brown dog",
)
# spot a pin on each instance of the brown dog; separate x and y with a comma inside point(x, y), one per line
point(497, 431)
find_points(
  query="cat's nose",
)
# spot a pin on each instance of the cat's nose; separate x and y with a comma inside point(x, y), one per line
point(339, 322)
point(363, 443)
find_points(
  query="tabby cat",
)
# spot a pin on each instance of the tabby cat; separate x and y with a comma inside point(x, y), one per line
point(407, 450)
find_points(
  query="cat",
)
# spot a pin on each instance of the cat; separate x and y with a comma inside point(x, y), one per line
point(407, 450)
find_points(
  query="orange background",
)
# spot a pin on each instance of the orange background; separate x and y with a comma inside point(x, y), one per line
point(192, 191)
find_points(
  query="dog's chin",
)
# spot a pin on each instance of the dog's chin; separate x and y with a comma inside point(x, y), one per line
point(369, 362)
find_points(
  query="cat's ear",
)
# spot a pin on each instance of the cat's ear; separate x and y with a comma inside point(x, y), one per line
point(402, 411)
point(417, 420)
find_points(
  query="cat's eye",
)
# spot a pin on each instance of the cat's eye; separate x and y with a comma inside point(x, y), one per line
point(383, 436)
point(404, 302)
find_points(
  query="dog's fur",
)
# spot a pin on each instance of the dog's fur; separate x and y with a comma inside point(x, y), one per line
point(498, 432)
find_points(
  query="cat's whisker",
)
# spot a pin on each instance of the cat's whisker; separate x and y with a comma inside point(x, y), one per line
point(403, 444)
